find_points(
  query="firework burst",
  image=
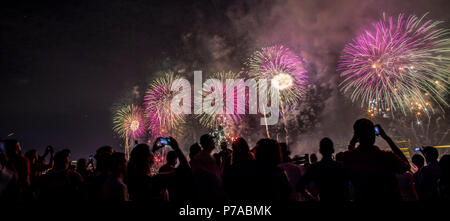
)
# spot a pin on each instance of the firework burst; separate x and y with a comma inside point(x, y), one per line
point(399, 63)
point(210, 117)
point(157, 101)
point(129, 122)
point(283, 68)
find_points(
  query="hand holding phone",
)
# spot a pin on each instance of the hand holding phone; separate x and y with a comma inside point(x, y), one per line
point(161, 142)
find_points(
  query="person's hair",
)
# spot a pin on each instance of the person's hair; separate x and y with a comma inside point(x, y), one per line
point(141, 160)
point(81, 163)
point(313, 158)
point(364, 131)
point(431, 153)
point(326, 147)
point(268, 152)
point(194, 150)
point(61, 159)
point(10, 146)
point(205, 141)
point(102, 157)
point(118, 163)
point(171, 157)
point(418, 160)
point(241, 150)
point(340, 156)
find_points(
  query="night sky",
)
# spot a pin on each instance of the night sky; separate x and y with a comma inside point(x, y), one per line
point(64, 63)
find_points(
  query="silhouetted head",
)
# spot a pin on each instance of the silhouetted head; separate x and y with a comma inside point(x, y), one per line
point(102, 157)
point(418, 160)
point(207, 142)
point(32, 156)
point(12, 147)
point(268, 152)
point(241, 150)
point(340, 157)
point(172, 158)
point(431, 154)
point(81, 164)
point(62, 160)
point(118, 164)
point(326, 148)
point(364, 130)
point(285, 152)
point(141, 160)
point(194, 150)
point(313, 158)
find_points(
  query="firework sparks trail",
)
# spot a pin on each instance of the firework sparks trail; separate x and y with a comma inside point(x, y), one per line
point(157, 102)
point(284, 69)
point(400, 61)
point(129, 123)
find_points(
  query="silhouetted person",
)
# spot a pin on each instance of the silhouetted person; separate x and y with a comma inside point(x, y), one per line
point(340, 157)
point(293, 171)
point(82, 169)
point(271, 181)
point(371, 170)
point(419, 162)
point(206, 173)
point(239, 178)
point(328, 176)
point(102, 169)
point(9, 186)
point(60, 183)
point(444, 181)
point(21, 166)
point(194, 150)
point(313, 158)
point(171, 159)
point(141, 185)
point(225, 155)
point(176, 180)
point(114, 188)
point(33, 159)
point(429, 175)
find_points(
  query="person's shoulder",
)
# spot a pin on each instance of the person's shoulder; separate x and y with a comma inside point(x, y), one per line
point(349, 154)
point(387, 153)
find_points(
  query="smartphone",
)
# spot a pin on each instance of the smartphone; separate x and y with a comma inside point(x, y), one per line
point(164, 141)
point(91, 157)
point(377, 130)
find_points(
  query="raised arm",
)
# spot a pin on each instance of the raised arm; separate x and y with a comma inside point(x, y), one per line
point(181, 157)
point(393, 146)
